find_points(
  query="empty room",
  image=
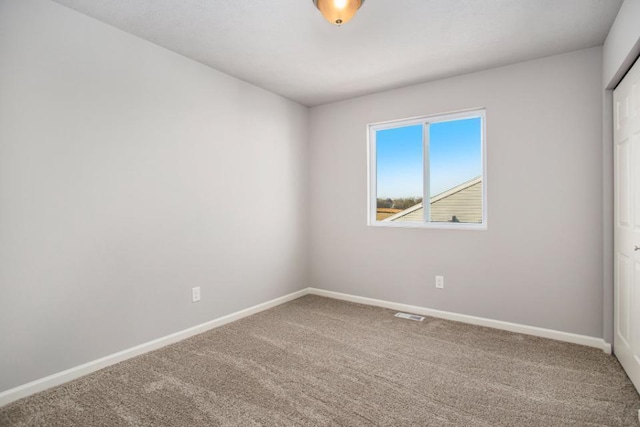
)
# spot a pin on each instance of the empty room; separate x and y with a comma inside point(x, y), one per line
point(319, 213)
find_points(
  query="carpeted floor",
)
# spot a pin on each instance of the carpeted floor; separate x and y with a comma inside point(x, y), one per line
point(320, 362)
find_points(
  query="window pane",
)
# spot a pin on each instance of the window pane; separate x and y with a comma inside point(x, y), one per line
point(455, 165)
point(399, 167)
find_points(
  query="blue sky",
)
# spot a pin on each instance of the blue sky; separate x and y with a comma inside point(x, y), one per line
point(454, 157)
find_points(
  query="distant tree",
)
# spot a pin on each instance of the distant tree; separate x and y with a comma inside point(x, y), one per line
point(401, 203)
point(406, 202)
point(384, 203)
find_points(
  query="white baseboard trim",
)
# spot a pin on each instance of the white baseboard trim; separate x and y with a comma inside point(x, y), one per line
point(480, 321)
point(42, 384)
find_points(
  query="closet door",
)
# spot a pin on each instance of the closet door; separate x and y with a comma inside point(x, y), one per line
point(626, 104)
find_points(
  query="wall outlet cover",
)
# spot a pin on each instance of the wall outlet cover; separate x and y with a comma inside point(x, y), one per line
point(195, 294)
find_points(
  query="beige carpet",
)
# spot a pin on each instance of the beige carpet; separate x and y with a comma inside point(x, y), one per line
point(320, 362)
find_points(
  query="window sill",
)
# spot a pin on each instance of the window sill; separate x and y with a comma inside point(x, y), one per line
point(436, 226)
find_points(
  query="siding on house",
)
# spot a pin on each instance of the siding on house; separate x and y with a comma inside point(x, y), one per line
point(463, 201)
point(413, 214)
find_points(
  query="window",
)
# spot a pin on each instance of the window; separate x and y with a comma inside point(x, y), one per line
point(438, 159)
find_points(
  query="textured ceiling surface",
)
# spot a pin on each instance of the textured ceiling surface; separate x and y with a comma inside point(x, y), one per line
point(286, 47)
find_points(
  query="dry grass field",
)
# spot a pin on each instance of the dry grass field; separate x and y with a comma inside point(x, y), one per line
point(382, 213)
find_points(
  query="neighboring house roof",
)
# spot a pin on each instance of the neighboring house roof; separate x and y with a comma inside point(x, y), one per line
point(462, 203)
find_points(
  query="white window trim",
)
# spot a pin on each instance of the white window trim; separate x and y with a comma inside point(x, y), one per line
point(372, 173)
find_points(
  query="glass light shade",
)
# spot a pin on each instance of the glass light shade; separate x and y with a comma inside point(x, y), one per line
point(338, 12)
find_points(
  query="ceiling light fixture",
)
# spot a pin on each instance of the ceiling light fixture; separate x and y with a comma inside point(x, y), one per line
point(338, 12)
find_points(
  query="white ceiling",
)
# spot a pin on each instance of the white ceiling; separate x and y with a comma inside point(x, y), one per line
point(285, 46)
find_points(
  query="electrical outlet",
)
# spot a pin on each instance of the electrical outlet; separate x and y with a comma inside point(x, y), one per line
point(195, 294)
point(440, 282)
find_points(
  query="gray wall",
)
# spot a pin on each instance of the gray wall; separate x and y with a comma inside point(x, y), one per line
point(622, 46)
point(620, 50)
point(129, 174)
point(540, 261)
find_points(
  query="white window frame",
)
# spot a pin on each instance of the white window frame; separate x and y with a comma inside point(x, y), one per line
point(426, 196)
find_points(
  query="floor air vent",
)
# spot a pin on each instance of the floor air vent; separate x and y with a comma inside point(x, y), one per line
point(410, 316)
